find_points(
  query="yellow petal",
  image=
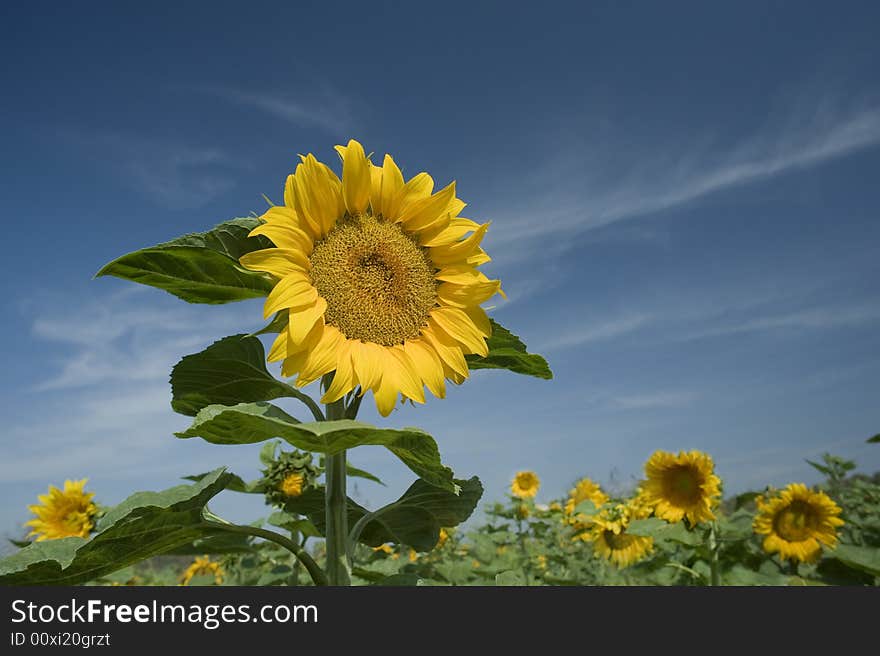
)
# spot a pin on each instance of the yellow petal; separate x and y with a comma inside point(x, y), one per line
point(449, 351)
point(293, 291)
point(343, 379)
point(424, 213)
point(367, 360)
point(280, 262)
point(461, 274)
point(480, 319)
point(419, 186)
point(285, 236)
point(356, 177)
point(321, 359)
point(303, 320)
point(428, 365)
point(459, 251)
point(408, 379)
point(465, 295)
point(392, 183)
point(279, 348)
point(457, 228)
point(459, 326)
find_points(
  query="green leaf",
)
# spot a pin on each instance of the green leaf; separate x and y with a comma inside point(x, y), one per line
point(234, 483)
point(744, 499)
point(145, 524)
point(874, 440)
point(506, 351)
point(248, 423)
point(736, 527)
point(509, 578)
point(360, 473)
point(739, 575)
point(415, 519)
point(402, 579)
point(660, 529)
point(200, 267)
point(866, 559)
point(231, 370)
point(291, 522)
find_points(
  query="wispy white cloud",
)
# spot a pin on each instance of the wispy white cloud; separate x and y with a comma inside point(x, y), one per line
point(586, 196)
point(822, 318)
point(596, 332)
point(325, 108)
point(663, 399)
point(171, 174)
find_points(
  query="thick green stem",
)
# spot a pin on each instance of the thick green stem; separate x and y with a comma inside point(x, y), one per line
point(336, 536)
point(714, 569)
point(311, 566)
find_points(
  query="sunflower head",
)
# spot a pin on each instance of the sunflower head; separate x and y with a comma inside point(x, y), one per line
point(682, 485)
point(585, 490)
point(203, 566)
point(525, 485)
point(797, 522)
point(63, 513)
point(612, 542)
point(378, 278)
point(288, 476)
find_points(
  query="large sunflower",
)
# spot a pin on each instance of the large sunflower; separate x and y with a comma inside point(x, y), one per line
point(63, 513)
point(682, 485)
point(378, 278)
point(612, 542)
point(797, 521)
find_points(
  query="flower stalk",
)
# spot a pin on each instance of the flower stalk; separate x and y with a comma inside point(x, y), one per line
point(337, 567)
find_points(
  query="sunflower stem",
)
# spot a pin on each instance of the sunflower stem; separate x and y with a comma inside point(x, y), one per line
point(338, 568)
point(714, 570)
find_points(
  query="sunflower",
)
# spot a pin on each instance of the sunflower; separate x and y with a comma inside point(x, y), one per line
point(525, 484)
point(63, 513)
point(612, 542)
point(585, 490)
point(203, 566)
point(681, 486)
point(288, 475)
point(797, 521)
point(377, 277)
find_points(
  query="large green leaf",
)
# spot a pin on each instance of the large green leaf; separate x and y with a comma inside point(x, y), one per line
point(415, 519)
point(200, 267)
point(145, 524)
point(248, 423)
point(866, 559)
point(506, 351)
point(661, 530)
point(874, 440)
point(231, 370)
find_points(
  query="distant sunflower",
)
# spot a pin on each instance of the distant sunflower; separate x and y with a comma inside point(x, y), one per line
point(681, 486)
point(525, 485)
point(797, 521)
point(378, 278)
point(203, 566)
point(585, 490)
point(612, 542)
point(63, 513)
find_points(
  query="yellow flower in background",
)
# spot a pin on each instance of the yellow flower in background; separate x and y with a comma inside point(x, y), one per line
point(413, 555)
point(378, 278)
point(585, 490)
point(444, 536)
point(612, 542)
point(384, 548)
point(797, 521)
point(525, 485)
point(63, 513)
point(203, 566)
point(292, 485)
point(682, 485)
point(541, 561)
point(522, 511)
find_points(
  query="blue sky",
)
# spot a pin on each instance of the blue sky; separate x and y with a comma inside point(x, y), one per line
point(683, 203)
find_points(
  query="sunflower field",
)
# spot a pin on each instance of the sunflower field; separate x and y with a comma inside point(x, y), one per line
point(372, 285)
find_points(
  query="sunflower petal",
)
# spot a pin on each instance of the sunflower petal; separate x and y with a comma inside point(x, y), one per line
point(428, 366)
point(293, 291)
point(426, 212)
point(280, 262)
point(418, 187)
point(303, 320)
point(356, 177)
point(458, 326)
